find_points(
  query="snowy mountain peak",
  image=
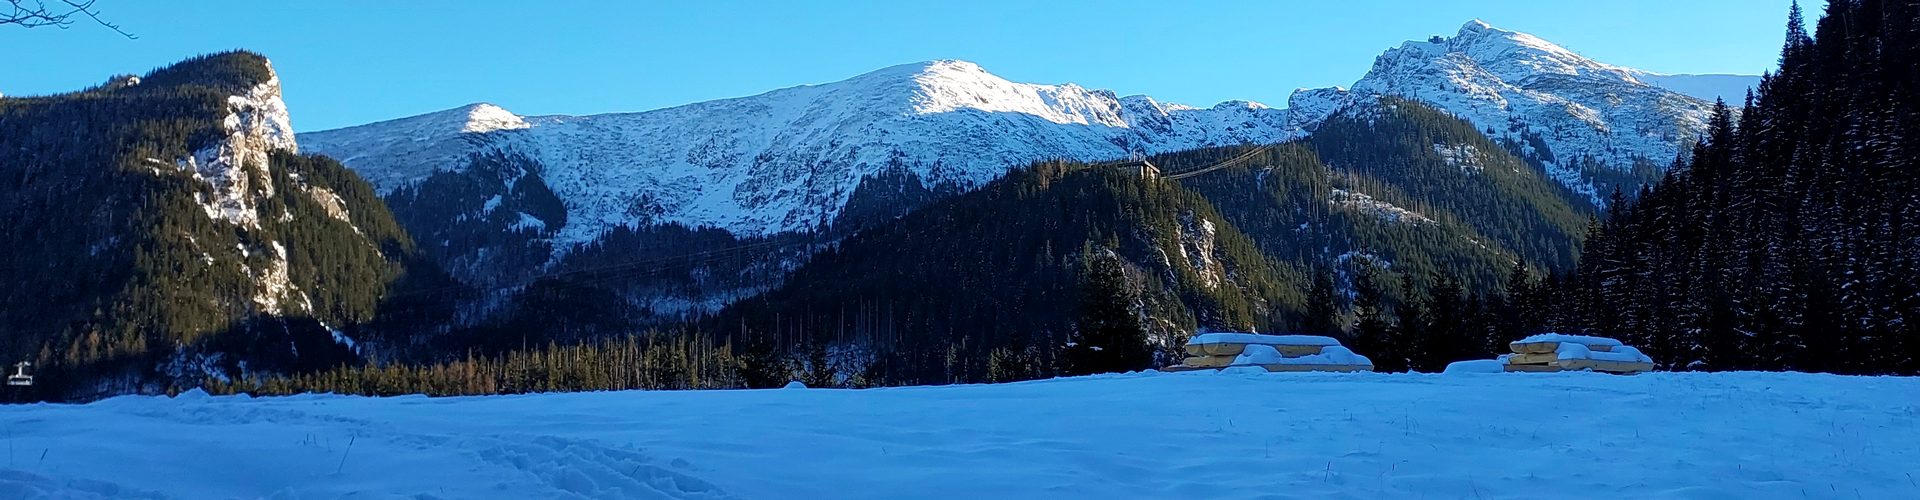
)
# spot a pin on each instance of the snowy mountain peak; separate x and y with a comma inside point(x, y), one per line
point(484, 117)
point(1516, 54)
point(1573, 115)
point(1239, 104)
point(946, 86)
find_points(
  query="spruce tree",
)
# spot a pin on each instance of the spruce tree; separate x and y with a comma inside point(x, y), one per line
point(1408, 337)
point(1372, 328)
point(1110, 334)
point(1323, 309)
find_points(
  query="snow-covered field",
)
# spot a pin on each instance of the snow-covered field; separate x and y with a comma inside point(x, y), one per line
point(1197, 435)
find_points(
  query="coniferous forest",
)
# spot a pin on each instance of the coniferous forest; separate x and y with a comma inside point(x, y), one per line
point(1789, 238)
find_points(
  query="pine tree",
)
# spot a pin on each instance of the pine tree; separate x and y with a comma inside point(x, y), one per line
point(1449, 329)
point(1323, 310)
point(1410, 329)
point(1517, 314)
point(1373, 329)
point(1111, 336)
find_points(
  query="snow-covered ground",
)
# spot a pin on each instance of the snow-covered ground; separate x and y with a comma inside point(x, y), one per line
point(1197, 435)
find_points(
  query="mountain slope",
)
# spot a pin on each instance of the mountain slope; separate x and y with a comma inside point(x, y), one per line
point(496, 198)
point(790, 159)
point(1582, 121)
point(922, 287)
point(175, 225)
point(1444, 168)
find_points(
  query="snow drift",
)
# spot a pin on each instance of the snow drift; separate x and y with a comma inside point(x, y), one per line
point(1307, 435)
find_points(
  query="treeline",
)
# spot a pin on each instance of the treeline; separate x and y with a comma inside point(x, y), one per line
point(1790, 239)
point(1109, 333)
point(648, 361)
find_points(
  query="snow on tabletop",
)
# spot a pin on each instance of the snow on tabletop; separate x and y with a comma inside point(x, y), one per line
point(1578, 339)
point(1244, 370)
point(1572, 350)
point(1255, 338)
point(1477, 366)
point(1260, 354)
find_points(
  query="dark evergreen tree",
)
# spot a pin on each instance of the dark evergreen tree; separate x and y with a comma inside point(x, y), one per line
point(1323, 308)
point(1373, 330)
point(1109, 336)
point(1410, 331)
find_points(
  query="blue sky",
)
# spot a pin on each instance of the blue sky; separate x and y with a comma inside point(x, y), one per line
point(346, 63)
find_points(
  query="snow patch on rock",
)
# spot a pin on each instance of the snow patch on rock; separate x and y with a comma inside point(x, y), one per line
point(335, 206)
point(235, 165)
point(1464, 156)
point(1198, 239)
point(1363, 203)
point(276, 288)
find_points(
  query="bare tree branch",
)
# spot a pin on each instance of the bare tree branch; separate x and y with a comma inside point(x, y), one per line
point(59, 14)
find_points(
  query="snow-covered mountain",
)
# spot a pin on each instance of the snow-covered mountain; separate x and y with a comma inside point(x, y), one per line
point(1573, 115)
point(791, 159)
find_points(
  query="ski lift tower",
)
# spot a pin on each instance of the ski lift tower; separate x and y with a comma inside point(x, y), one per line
point(20, 376)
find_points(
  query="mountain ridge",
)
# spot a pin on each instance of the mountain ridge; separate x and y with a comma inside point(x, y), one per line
point(803, 149)
point(789, 159)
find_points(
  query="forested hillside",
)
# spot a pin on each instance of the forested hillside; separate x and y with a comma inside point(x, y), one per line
point(1448, 168)
point(960, 290)
point(163, 228)
point(1790, 239)
point(1395, 182)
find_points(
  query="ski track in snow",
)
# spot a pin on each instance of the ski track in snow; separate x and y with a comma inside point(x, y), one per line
point(1199, 435)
